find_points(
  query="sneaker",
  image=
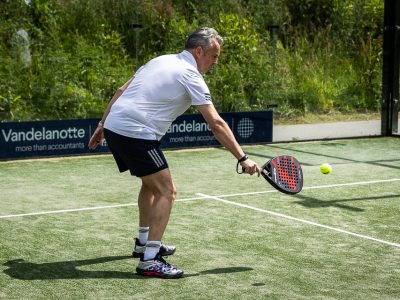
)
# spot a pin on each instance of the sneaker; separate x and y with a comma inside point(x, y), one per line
point(158, 267)
point(165, 250)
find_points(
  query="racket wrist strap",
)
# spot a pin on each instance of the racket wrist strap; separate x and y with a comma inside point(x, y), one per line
point(245, 157)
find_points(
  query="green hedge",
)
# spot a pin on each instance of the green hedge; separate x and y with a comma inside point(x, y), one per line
point(326, 56)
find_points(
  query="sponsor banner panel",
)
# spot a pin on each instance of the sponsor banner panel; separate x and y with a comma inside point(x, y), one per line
point(70, 137)
point(193, 131)
point(46, 138)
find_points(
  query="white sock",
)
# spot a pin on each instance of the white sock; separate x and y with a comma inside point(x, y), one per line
point(143, 235)
point(152, 248)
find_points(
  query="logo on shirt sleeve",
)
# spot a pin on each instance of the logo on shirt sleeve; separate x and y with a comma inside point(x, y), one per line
point(207, 97)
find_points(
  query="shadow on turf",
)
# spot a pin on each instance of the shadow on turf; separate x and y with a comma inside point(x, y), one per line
point(20, 269)
point(220, 271)
point(381, 162)
point(24, 270)
point(316, 203)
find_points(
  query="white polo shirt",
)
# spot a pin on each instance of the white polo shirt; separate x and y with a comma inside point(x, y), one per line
point(161, 90)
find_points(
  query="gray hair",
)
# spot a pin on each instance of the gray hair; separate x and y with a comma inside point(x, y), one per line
point(203, 37)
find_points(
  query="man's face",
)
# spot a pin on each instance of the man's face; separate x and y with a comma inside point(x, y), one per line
point(207, 58)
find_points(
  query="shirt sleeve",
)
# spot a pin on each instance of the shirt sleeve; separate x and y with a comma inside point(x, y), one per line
point(138, 71)
point(197, 88)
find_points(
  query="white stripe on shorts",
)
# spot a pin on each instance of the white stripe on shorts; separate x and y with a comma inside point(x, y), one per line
point(155, 157)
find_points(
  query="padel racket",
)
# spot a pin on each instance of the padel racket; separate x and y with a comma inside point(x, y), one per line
point(284, 173)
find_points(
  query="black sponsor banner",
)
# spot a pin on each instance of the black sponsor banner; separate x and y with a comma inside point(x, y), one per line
point(193, 131)
point(70, 137)
point(46, 138)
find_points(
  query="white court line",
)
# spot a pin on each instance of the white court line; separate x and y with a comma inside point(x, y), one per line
point(83, 209)
point(300, 220)
point(191, 199)
point(65, 210)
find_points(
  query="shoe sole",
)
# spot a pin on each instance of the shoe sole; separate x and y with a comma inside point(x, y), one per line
point(158, 275)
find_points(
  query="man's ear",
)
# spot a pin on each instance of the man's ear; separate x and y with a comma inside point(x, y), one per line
point(198, 51)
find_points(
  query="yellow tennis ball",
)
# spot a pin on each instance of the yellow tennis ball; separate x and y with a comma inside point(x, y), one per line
point(325, 169)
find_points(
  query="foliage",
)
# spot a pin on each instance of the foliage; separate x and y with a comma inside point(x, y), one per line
point(325, 56)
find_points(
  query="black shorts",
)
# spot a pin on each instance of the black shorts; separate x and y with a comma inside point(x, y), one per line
point(140, 157)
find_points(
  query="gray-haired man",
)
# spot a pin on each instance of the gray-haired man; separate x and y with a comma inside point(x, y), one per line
point(138, 116)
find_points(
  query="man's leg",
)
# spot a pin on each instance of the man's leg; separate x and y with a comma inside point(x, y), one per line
point(164, 193)
point(145, 203)
point(156, 211)
point(156, 214)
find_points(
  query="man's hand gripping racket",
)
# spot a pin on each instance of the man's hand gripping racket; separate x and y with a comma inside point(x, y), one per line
point(283, 172)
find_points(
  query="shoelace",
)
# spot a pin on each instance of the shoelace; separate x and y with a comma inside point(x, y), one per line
point(166, 264)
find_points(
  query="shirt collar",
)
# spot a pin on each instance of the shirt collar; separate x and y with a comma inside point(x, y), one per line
point(189, 58)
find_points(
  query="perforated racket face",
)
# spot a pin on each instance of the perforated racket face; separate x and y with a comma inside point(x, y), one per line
point(284, 173)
